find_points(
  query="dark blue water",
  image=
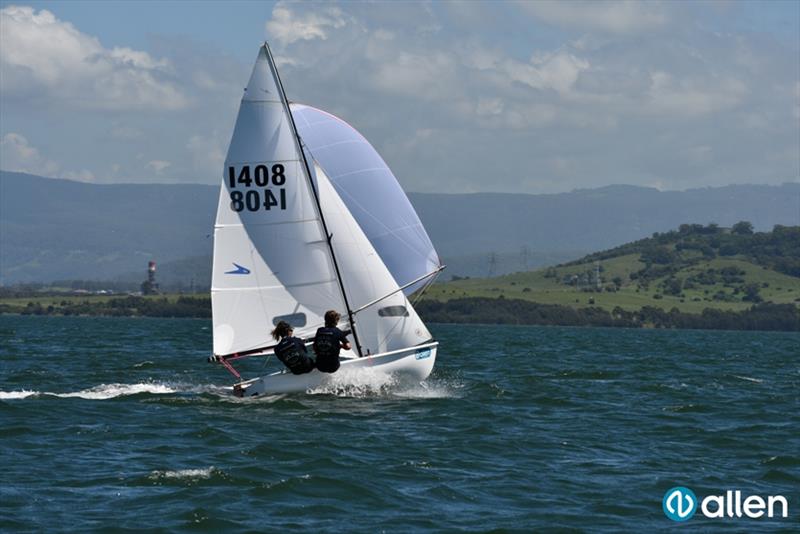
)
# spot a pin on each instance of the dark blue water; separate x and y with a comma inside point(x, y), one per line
point(120, 424)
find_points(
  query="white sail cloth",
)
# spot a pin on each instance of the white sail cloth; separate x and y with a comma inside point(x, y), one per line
point(390, 324)
point(272, 259)
point(268, 263)
point(371, 193)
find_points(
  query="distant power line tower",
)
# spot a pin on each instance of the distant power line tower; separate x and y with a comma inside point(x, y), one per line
point(524, 253)
point(492, 264)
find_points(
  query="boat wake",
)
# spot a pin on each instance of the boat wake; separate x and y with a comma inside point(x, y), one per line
point(112, 391)
point(364, 383)
point(183, 473)
point(372, 383)
point(22, 394)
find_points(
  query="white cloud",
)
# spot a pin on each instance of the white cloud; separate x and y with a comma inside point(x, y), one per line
point(616, 17)
point(42, 56)
point(17, 154)
point(138, 59)
point(287, 26)
point(558, 71)
point(587, 96)
point(603, 95)
point(158, 165)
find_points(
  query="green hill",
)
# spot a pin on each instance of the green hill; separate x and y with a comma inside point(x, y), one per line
point(690, 269)
point(694, 277)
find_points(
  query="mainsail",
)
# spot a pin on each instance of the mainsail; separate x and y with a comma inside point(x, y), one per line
point(290, 242)
point(271, 256)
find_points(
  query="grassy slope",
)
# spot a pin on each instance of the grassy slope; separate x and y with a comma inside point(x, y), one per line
point(549, 290)
point(676, 250)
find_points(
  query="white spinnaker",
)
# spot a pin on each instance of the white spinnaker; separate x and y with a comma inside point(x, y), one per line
point(268, 263)
point(371, 193)
point(366, 278)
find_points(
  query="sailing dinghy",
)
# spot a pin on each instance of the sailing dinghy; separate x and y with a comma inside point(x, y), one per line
point(311, 219)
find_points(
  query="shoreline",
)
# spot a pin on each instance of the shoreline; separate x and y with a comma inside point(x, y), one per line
point(471, 310)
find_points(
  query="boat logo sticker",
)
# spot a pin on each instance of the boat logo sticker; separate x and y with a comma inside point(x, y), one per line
point(422, 354)
point(239, 270)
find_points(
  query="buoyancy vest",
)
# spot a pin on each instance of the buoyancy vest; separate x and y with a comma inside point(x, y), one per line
point(293, 357)
point(326, 347)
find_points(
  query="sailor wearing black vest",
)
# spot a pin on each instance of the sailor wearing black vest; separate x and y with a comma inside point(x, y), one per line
point(291, 350)
point(327, 343)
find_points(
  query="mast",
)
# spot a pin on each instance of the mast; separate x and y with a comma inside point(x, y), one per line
point(328, 235)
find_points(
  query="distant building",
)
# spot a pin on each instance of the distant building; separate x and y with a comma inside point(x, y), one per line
point(150, 286)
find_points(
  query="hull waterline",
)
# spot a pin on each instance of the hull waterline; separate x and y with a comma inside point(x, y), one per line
point(415, 363)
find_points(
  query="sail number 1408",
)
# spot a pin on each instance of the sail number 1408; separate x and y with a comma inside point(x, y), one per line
point(261, 190)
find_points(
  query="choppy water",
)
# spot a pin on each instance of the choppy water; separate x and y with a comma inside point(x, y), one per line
point(120, 424)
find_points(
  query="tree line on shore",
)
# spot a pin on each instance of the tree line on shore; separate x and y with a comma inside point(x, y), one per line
point(129, 306)
point(762, 316)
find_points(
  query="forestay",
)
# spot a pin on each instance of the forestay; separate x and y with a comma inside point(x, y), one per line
point(271, 257)
point(371, 193)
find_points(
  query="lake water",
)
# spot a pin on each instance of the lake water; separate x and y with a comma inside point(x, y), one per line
point(121, 423)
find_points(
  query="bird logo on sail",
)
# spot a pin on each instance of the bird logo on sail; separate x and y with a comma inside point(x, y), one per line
point(239, 270)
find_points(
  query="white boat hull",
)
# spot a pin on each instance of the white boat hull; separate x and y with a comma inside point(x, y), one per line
point(415, 363)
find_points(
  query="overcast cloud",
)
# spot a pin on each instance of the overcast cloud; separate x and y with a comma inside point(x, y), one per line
point(525, 97)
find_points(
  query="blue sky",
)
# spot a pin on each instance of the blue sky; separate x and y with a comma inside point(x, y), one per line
point(530, 97)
